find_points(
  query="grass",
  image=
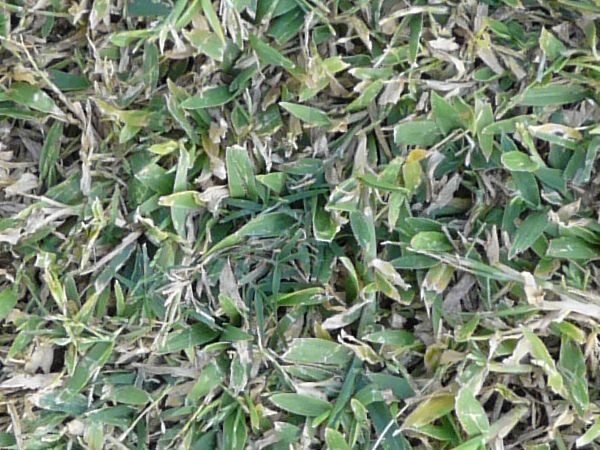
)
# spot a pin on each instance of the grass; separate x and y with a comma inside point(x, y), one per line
point(293, 224)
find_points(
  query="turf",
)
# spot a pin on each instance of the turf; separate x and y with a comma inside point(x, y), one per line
point(299, 224)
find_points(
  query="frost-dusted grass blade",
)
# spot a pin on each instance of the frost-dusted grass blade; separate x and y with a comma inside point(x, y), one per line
point(8, 300)
point(209, 98)
point(418, 132)
point(528, 232)
point(33, 97)
point(552, 95)
point(308, 114)
point(302, 405)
